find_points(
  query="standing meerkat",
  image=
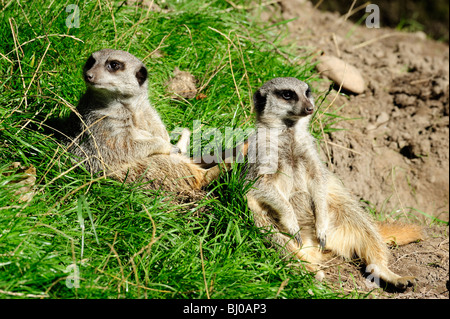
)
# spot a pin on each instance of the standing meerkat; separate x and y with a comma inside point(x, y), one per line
point(115, 129)
point(304, 206)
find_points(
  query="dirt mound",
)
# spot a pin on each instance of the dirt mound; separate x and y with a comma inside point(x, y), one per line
point(395, 154)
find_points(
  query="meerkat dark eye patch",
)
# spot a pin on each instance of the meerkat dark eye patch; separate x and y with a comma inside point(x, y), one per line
point(114, 65)
point(141, 75)
point(259, 101)
point(89, 63)
point(287, 95)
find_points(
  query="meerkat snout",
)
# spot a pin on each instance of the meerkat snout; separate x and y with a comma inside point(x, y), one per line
point(309, 102)
point(89, 78)
point(309, 107)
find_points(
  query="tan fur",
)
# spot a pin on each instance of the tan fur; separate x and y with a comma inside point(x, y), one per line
point(286, 200)
point(399, 234)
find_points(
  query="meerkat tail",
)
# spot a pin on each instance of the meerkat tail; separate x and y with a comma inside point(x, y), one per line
point(355, 233)
point(400, 234)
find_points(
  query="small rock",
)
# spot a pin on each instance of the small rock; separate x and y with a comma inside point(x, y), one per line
point(182, 85)
point(341, 72)
point(431, 178)
point(406, 136)
point(402, 144)
point(379, 54)
point(403, 100)
point(393, 145)
point(382, 118)
point(421, 35)
point(320, 275)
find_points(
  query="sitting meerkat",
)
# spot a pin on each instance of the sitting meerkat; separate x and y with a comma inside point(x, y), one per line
point(115, 129)
point(303, 205)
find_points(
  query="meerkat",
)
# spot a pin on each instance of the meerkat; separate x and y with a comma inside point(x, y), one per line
point(305, 207)
point(115, 129)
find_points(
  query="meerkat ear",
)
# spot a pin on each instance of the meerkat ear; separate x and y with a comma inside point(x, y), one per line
point(89, 63)
point(141, 75)
point(259, 101)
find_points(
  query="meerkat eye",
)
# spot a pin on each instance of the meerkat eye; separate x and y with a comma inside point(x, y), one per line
point(287, 94)
point(113, 66)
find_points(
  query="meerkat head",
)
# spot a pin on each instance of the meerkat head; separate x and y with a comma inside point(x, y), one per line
point(115, 72)
point(283, 101)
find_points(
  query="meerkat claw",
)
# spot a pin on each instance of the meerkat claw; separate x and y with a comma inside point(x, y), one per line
point(298, 239)
point(322, 243)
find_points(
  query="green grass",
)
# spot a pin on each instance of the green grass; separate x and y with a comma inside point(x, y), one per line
point(124, 241)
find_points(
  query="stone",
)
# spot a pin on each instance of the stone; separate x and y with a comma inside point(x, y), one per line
point(383, 117)
point(341, 72)
point(182, 85)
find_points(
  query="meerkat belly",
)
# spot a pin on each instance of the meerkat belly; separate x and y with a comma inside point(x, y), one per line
point(146, 127)
point(285, 180)
point(301, 199)
point(300, 178)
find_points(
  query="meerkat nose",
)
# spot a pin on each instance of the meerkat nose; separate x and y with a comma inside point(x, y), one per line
point(88, 77)
point(309, 109)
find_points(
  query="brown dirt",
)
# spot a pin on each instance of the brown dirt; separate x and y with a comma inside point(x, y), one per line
point(395, 154)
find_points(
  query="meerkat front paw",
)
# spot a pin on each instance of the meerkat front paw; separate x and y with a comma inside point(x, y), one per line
point(183, 142)
point(289, 223)
point(185, 133)
point(295, 232)
point(322, 241)
point(298, 239)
